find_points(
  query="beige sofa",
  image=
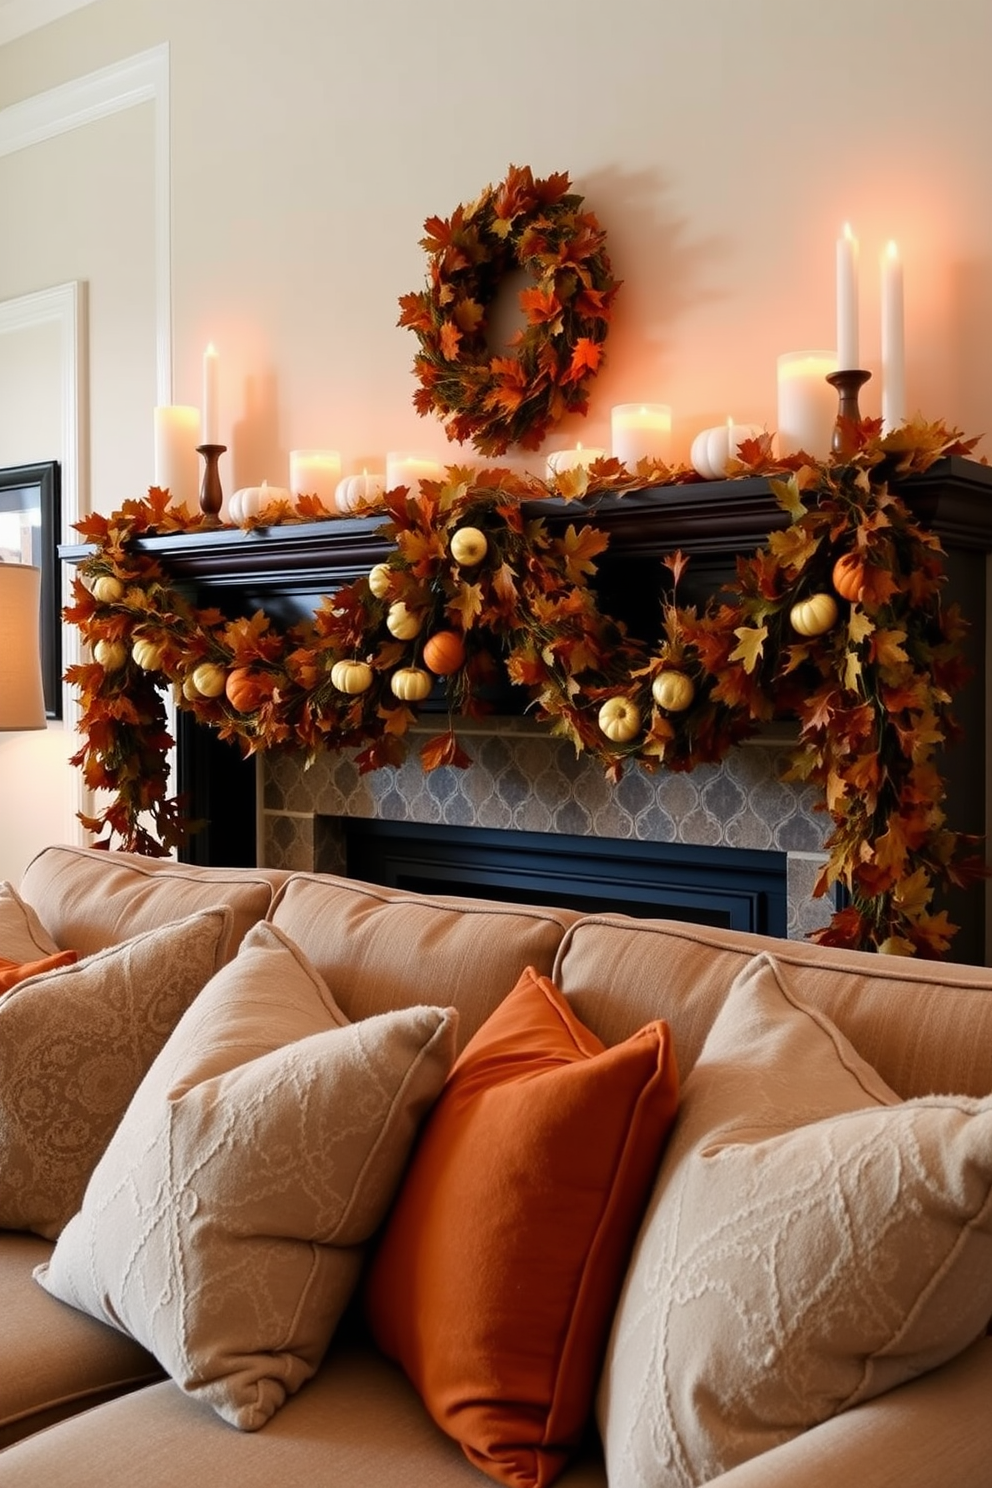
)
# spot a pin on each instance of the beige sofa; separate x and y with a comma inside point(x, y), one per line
point(765, 1330)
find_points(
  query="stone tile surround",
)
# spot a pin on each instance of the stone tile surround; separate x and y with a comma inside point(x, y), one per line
point(522, 779)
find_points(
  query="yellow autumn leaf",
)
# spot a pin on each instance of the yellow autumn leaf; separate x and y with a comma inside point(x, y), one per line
point(787, 495)
point(570, 484)
point(466, 605)
point(752, 639)
point(859, 627)
point(793, 547)
point(887, 648)
point(580, 546)
point(852, 671)
point(913, 894)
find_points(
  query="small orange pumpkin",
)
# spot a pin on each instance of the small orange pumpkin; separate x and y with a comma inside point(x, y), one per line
point(444, 652)
point(849, 577)
point(247, 689)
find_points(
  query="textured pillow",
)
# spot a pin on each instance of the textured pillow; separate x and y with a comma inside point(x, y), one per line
point(499, 1268)
point(223, 1227)
point(12, 972)
point(22, 935)
point(74, 1046)
point(812, 1242)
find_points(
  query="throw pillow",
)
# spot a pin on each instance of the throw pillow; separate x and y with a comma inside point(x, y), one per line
point(22, 935)
point(500, 1265)
point(812, 1242)
point(12, 972)
point(223, 1228)
point(74, 1046)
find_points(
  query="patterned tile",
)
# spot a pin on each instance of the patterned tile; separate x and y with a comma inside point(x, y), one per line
point(522, 779)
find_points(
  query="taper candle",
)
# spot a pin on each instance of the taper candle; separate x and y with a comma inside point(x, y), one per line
point(211, 395)
point(847, 300)
point(893, 342)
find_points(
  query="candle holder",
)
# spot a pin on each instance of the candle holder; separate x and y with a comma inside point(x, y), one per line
point(848, 384)
point(211, 495)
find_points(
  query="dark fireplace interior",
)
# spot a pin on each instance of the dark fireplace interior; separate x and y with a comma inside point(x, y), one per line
point(735, 888)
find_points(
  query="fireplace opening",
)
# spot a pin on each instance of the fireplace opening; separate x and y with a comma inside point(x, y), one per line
point(736, 888)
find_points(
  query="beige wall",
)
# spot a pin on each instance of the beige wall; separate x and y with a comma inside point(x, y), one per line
point(721, 142)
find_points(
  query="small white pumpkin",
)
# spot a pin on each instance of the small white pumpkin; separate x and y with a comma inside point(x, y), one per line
point(356, 491)
point(209, 679)
point(147, 654)
point(620, 719)
point(468, 546)
point(814, 616)
point(380, 578)
point(107, 588)
point(111, 655)
point(351, 677)
point(411, 684)
point(251, 501)
point(673, 690)
point(402, 622)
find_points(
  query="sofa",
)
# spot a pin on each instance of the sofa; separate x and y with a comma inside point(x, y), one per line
point(311, 1181)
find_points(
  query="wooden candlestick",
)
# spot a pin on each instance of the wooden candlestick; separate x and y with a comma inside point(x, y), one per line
point(211, 495)
point(843, 442)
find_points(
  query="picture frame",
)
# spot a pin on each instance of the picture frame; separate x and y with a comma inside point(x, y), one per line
point(30, 518)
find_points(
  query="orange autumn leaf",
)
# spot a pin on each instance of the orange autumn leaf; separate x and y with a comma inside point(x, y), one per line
point(539, 305)
point(586, 357)
point(444, 749)
point(449, 339)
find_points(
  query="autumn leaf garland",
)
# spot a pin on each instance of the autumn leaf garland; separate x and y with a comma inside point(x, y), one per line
point(872, 691)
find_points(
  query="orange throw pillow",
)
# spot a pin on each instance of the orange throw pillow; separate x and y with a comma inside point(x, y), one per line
point(500, 1265)
point(12, 972)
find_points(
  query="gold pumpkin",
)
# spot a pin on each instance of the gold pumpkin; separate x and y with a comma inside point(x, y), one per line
point(351, 677)
point(814, 616)
point(673, 690)
point(411, 684)
point(620, 719)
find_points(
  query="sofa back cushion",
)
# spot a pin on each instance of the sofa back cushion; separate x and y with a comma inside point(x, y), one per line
point(88, 898)
point(924, 1026)
point(383, 948)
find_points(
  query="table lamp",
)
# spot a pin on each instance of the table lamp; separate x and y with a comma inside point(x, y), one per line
point(22, 700)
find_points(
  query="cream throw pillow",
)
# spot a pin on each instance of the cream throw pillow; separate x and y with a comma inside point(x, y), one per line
point(812, 1241)
point(75, 1043)
point(22, 935)
point(223, 1228)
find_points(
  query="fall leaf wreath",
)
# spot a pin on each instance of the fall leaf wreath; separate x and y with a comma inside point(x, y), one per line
point(838, 622)
point(491, 400)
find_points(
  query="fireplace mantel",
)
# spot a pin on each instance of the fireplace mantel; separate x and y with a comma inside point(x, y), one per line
point(286, 570)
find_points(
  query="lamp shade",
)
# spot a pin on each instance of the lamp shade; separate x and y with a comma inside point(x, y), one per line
point(22, 701)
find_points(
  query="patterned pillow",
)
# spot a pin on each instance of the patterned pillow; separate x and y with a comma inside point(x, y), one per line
point(812, 1241)
point(224, 1226)
point(74, 1046)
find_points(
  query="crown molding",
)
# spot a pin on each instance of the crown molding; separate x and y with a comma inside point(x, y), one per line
point(18, 17)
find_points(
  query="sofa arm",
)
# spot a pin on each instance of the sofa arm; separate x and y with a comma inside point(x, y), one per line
point(935, 1430)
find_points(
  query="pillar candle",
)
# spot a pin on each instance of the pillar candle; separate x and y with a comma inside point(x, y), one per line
point(409, 470)
point(211, 396)
point(315, 472)
point(177, 465)
point(572, 459)
point(847, 300)
point(641, 431)
point(893, 342)
point(807, 404)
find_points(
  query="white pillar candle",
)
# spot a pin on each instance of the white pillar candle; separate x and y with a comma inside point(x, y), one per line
point(641, 431)
point(807, 404)
point(893, 342)
point(847, 300)
point(408, 470)
point(572, 459)
point(211, 395)
point(177, 465)
point(315, 472)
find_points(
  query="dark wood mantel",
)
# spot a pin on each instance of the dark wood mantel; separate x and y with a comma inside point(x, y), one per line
point(286, 570)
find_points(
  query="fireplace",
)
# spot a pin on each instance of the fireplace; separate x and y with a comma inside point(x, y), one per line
point(523, 781)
